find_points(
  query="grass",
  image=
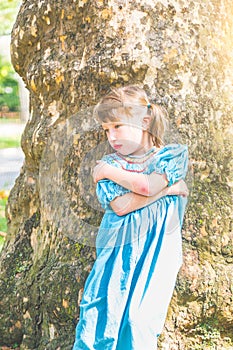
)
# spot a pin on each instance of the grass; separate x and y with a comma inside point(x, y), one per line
point(3, 221)
point(6, 142)
point(9, 120)
point(9, 142)
point(2, 240)
point(3, 226)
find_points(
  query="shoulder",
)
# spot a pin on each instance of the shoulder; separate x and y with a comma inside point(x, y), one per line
point(174, 147)
point(173, 150)
point(169, 156)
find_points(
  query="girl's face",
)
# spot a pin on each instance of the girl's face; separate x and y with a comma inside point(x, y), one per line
point(128, 136)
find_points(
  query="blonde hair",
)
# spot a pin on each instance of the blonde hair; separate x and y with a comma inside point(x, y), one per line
point(132, 100)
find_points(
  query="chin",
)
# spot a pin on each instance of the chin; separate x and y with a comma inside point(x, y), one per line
point(126, 153)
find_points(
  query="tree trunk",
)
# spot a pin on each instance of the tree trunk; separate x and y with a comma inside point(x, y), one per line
point(180, 51)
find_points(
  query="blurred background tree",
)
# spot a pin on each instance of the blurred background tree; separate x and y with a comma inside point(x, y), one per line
point(13, 97)
point(10, 104)
point(8, 12)
point(9, 92)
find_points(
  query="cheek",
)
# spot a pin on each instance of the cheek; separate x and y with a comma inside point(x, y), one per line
point(136, 133)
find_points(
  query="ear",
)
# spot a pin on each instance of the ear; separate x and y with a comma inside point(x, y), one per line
point(146, 122)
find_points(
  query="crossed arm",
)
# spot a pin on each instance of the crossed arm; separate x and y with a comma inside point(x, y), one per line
point(145, 189)
point(146, 185)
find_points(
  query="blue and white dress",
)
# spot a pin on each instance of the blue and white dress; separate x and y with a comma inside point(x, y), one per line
point(128, 291)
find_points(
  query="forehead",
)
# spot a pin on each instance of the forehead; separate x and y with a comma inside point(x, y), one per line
point(129, 122)
point(116, 116)
point(121, 113)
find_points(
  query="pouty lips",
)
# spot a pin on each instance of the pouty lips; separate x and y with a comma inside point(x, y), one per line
point(116, 147)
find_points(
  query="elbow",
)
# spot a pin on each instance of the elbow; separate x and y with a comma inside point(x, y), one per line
point(144, 190)
point(117, 210)
point(151, 188)
point(120, 213)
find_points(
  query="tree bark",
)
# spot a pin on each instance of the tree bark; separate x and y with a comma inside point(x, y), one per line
point(68, 57)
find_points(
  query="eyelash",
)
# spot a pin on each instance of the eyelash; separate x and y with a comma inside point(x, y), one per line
point(116, 127)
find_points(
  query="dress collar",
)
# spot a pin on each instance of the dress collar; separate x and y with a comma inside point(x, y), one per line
point(140, 158)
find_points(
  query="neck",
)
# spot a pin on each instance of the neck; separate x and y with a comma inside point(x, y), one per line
point(147, 142)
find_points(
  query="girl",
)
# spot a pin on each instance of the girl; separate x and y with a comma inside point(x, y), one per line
point(139, 253)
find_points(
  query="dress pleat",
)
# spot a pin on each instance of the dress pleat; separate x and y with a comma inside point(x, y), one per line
point(127, 294)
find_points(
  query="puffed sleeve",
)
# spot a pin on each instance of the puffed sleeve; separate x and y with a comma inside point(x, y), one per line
point(173, 161)
point(107, 191)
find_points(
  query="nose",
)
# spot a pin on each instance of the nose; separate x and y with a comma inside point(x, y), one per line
point(111, 134)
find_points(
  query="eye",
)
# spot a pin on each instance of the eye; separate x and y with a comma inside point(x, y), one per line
point(117, 126)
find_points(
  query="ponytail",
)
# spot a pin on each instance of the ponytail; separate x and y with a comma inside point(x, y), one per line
point(158, 123)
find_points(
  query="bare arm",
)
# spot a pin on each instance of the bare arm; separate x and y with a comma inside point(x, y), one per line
point(131, 201)
point(142, 184)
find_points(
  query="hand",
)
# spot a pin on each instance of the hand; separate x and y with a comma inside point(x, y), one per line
point(178, 189)
point(100, 170)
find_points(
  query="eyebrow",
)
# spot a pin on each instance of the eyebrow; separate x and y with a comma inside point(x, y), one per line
point(112, 123)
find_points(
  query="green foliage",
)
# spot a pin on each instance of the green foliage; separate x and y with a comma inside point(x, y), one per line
point(9, 99)
point(9, 95)
point(8, 13)
point(209, 335)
